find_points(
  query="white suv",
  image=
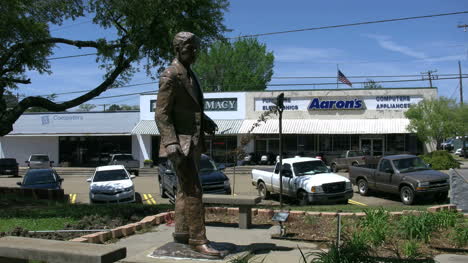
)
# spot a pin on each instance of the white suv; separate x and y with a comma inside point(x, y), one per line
point(111, 184)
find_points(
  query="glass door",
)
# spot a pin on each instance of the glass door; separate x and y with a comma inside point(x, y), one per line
point(372, 146)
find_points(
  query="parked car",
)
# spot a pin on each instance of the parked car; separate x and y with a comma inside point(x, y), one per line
point(306, 179)
point(268, 158)
point(127, 160)
point(9, 166)
point(111, 184)
point(458, 152)
point(213, 180)
point(348, 158)
point(39, 161)
point(404, 174)
point(251, 159)
point(448, 144)
point(41, 178)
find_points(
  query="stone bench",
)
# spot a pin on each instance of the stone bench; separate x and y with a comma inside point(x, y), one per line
point(244, 203)
point(23, 249)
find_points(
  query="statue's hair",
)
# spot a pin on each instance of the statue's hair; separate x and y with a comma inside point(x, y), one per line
point(183, 37)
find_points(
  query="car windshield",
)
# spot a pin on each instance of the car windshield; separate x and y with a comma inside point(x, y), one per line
point(39, 177)
point(110, 175)
point(207, 165)
point(7, 161)
point(410, 164)
point(309, 168)
point(39, 158)
point(126, 157)
point(355, 153)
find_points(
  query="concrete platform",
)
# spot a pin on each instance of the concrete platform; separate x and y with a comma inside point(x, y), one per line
point(257, 239)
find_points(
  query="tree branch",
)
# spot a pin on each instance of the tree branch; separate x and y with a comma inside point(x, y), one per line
point(22, 81)
point(13, 114)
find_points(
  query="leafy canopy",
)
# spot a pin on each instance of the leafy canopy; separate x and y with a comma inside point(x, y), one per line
point(144, 32)
point(242, 65)
point(436, 119)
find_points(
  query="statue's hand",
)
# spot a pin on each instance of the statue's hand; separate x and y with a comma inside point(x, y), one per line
point(211, 127)
point(173, 151)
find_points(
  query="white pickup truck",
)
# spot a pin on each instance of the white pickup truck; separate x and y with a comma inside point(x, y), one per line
point(307, 179)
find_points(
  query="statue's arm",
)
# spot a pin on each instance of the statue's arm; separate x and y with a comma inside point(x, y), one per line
point(209, 125)
point(164, 107)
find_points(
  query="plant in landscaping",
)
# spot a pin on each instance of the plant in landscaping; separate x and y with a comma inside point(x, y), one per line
point(411, 249)
point(353, 250)
point(311, 220)
point(440, 160)
point(460, 235)
point(420, 227)
point(375, 225)
point(246, 258)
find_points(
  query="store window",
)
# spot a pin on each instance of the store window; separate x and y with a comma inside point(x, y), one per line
point(341, 142)
point(290, 144)
point(325, 143)
point(306, 145)
point(395, 143)
point(354, 142)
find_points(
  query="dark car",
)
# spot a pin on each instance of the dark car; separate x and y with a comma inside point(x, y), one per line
point(9, 166)
point(213, 180)
point(41, 178)
point(251, 159)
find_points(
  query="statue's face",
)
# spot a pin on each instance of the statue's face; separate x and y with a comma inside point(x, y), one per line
point(188, 52)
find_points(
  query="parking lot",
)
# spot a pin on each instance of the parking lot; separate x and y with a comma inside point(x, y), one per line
point(148, 190)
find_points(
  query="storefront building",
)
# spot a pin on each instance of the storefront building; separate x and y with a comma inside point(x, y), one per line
point(314, 121)
point(85, 139)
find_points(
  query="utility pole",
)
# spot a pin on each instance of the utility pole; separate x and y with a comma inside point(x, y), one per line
point(104, 105)
point(430, 76)
point(461, 83)
point(463, 26)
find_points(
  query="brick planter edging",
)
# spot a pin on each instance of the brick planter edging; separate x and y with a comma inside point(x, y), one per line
point(161, 218)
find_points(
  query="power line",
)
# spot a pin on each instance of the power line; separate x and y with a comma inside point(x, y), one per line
point(387, 76)
point(351, 24)
point(273, 85)
point(81, 91)
point(71, 25)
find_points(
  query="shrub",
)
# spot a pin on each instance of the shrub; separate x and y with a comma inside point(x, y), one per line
point(440, 160)
point(420, 227)
point(375, 225)
point(460, 235)
point(411, 249)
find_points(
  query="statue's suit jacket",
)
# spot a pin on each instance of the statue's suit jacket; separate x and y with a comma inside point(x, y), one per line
point(179, 110)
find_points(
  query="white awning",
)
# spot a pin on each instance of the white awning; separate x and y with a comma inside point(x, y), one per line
point(346, 126)
point(149, 127)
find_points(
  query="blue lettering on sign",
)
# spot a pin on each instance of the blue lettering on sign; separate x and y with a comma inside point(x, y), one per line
point(317, 104)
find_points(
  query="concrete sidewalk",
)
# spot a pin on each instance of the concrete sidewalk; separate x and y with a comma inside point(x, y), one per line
point(258, 239)
point(139, 246)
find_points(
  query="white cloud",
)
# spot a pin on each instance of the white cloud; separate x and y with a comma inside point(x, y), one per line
point(386, 43)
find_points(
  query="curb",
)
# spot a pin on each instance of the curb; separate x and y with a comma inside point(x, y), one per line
point(168, 217)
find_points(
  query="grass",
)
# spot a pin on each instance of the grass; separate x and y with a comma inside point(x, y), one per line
point(55, 223)
point(346, 208)
point(43, 215)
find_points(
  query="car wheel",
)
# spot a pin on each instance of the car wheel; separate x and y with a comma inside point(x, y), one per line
point(302, 198)
point(407, 195)
point(262, 191)
point(333, 168)
point(162, 192)
point(354, 164)
point(363, 187)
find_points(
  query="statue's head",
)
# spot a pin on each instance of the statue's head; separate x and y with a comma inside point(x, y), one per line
point(186, 46)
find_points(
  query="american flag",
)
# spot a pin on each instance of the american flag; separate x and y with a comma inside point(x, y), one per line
point(344, 79)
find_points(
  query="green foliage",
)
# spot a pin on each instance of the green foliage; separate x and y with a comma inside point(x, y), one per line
point(231, 66)
point(375, 226)
point(440, 160)
point(371, 84)
point(35, 224)
point(460, 235)
point(86, 107)
point(353, 250)
point(411, 249)
point(141, 36)
point(420, 227)
point(435, 120)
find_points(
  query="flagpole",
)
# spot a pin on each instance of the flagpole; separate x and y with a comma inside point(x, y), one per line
point(337, 69)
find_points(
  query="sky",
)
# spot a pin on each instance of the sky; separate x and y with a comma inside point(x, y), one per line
point(383, 49)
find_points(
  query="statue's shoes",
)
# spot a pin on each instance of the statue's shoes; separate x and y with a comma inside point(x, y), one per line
point(206, 249)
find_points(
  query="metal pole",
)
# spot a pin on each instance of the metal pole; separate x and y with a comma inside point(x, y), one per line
point(281, 155)
point(430, 78)
point(461, 83)
point(338, 231)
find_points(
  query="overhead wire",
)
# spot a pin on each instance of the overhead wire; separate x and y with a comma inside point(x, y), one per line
point(350, 24)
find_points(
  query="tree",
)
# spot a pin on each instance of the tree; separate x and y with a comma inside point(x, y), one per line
point(114, 107)
point(231, 66)
point(434, 120)
point(144, 30)
point(86, 107)
point(371, 84)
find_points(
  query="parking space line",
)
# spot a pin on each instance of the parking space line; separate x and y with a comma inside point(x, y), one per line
point(355, 203)
point(72, 198)
point(152, 199)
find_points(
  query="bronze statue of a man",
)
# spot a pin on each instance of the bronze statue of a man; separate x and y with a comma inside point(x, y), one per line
point(182, 124)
